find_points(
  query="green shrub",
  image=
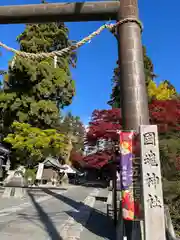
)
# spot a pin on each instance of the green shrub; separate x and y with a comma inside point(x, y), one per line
point(30, 173)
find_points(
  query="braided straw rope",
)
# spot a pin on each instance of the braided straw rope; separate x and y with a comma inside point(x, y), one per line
point(36, 56)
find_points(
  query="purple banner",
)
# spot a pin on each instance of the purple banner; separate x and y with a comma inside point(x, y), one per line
point(126, 170)
point(131, 207)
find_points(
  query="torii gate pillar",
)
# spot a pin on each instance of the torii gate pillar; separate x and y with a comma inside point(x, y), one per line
point(134, 101)
point(132, 78)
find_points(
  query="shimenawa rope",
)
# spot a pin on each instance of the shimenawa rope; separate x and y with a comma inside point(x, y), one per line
point(36, 56)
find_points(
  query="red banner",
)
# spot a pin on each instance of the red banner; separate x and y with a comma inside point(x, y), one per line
point(130, 175)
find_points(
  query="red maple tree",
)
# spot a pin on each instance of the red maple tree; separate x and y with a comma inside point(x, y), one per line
point(166, 114)
point(105, 123)
point(98, 159)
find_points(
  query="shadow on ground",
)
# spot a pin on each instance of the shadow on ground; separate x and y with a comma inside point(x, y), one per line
point(96, 184)
point(99, 223)
point(45, 219)
point(33, 188)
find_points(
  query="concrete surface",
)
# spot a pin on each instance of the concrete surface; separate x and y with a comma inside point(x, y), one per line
point(55, 214)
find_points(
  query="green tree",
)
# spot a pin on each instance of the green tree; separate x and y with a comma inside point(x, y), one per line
point(32, 144)
point(148, 67)
point(35, 90)
point(72, 126)
point(170, 165)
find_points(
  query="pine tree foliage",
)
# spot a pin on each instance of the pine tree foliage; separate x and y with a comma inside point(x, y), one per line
point(34, 91)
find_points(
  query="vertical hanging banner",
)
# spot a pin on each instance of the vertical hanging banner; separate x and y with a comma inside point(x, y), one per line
point(40, 171)
point(130, 176)
point(154, 223)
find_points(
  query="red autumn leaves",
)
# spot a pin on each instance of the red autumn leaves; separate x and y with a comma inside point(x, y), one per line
point(105, 123)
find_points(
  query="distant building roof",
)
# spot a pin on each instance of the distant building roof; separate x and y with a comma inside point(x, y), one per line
point(52, 162)
point(70, 169)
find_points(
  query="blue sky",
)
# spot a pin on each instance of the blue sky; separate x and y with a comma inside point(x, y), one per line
point(97, 59)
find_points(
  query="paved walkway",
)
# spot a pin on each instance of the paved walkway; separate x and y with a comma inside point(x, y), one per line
point(57, 215)
point(99, 227)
